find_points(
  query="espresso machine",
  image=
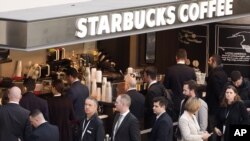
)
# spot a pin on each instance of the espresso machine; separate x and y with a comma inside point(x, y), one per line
point(57, 62)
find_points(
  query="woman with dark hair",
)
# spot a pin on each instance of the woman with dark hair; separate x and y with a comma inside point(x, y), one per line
point(61, 111)
point(231, 112)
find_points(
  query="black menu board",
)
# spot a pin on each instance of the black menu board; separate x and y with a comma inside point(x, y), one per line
point(195, 40)
point(233, 45)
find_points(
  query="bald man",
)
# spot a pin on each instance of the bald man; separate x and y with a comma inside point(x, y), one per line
point(137, 99)
point(14, 120)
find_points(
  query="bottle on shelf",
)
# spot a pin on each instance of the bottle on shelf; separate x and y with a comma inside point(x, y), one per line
point(138, 84)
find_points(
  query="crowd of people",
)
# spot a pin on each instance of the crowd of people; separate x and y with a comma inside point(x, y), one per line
point(71, 115)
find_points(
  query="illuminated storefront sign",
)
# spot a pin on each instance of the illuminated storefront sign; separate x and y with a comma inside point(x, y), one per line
point(79, 23)
point(152, 17)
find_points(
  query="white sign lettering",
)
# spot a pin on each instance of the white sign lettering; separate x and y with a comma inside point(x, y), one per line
point(152, 17)
point(240, 132)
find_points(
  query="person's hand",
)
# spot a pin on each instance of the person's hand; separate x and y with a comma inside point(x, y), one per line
point(206, 135)
point(218, 131)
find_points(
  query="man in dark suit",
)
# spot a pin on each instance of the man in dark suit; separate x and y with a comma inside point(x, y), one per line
point(77, 92)
point(217, 78)
point(30, 101)
point(137, 99)
point(43, 130)
point(91, 126)
point(14, 120)
point(163, 126)
point(176, 75)
point(155, 89)
point(125, 126)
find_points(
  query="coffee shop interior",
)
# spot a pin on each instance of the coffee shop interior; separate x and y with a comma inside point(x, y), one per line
point(115, 57)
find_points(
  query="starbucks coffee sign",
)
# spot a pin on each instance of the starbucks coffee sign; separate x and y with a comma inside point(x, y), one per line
point(152, 17)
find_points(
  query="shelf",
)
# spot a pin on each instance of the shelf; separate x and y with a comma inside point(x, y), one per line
point(5, 61)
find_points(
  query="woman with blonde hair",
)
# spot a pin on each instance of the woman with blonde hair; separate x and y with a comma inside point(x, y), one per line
point(188, 124)
point(231, 112)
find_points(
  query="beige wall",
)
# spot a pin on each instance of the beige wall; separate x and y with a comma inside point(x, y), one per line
point(245, 20)
point(7, 69)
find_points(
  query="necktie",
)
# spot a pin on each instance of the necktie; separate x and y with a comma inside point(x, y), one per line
point(117, 126)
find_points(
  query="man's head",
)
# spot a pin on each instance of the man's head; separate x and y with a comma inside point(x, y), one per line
point(236, 78)
point(14, 94)
point(159, 105)
point(130, 81)
point(150, 74)
point(36, 118)
point(181, 54)
point(123, 103)
point(57, 86)
point(91, 106)
point(189, 88)
point(214, 61)
point(29, 85)
point(71, 74)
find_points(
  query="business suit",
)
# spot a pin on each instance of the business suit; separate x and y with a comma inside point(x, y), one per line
point(189, 128)
point(14, 123)
point(154, 90)
point(78, 93)
point(128, 129)
point(162, 129)
point(45, 132)
point(94, 130)
point(174, 78)
point(137, 104)
point(31, 102)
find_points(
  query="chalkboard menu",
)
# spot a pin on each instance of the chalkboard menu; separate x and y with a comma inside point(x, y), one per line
point(195, 40)
point(233, 45)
